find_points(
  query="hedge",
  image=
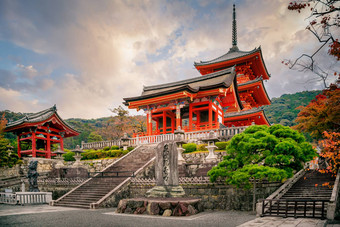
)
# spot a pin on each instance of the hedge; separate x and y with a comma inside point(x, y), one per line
point(189, 147)
point(202, 147)
point(221, 145)
point(114, 147)
point(68, 157)
point(98, 154)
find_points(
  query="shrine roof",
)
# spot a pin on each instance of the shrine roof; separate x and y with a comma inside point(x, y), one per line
point(36, 118)
point(245, 112)
point(252, 81)
point(259, 79)
point(223, 78)
point(233, 53)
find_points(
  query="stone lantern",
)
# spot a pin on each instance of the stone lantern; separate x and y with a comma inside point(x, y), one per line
point(77, 155)
point(59, 152)
point(211, 139)
point(125, 141)
point(179, 139)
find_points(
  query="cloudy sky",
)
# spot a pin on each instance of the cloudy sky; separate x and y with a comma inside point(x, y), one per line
point(85, 56)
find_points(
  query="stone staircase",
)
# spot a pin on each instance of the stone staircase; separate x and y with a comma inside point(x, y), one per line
point(308, 197)
point(313, 185)
point(97, 189)
point(10, 182)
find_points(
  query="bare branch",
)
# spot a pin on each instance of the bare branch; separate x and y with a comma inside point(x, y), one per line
point(322, 18)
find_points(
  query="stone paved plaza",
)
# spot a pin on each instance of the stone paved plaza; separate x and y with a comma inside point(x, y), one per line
point(284, 222)
point(44, 215)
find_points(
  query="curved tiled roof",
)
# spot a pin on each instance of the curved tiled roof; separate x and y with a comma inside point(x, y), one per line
point(223, 78)
point(246, 112)
point(233, 53)
point(37, 117)
point(251, 81)
point(254, 81)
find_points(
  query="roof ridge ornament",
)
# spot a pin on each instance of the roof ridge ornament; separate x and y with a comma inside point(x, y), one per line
point(234, 32)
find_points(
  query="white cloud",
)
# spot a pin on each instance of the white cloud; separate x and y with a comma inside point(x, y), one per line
point(17, 101)
point(27, 71)
point(106, 51)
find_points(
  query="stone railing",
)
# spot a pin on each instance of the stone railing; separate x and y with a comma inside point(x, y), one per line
point(61, 182)
point(222, 133)
point(181, 180)
point(333, 202)
point(102, 144)
point(26, 198)
point(8, 198)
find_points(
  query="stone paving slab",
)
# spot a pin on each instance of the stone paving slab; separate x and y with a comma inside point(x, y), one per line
point(6, 210)
point(284, 222)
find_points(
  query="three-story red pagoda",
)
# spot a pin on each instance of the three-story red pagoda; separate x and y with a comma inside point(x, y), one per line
point(228, 93)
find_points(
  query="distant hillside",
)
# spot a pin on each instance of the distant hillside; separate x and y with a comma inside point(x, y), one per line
point(283, 109)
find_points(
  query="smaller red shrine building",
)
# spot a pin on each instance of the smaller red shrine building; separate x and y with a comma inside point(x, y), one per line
point(38, 131)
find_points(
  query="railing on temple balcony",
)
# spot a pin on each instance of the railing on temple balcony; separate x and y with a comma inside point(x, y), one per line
point(193, 136)
point(201, 127)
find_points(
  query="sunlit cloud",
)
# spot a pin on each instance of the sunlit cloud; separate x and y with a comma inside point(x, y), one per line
point(86, 56)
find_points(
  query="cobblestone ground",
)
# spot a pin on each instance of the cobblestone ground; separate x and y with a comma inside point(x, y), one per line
point(44, 215)
point(287, 222)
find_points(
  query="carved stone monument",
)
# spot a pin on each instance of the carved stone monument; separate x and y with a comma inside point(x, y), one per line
point(33, 176)
point(166, 171)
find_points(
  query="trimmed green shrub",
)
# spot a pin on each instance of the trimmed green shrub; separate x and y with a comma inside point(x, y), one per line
point(221, 145)
point(114, 147)
point(68, 157)
point(202, 147)
point(189, 147)
point(130, 148)
point(98, 154)
point(106, 148)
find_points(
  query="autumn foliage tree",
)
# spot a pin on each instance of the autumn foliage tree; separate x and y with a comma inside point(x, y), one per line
point(331, 150)
point(321, 114)
point(321, 119)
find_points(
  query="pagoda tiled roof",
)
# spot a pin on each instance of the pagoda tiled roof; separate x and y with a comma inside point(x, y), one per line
point(232, 54)
point(222, 78)
point(38, 117)
point(246, 112)
point(254, 81)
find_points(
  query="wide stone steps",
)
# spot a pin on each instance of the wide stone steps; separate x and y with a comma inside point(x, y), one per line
point(63, 204)
point(311, 187)
point(98, 187)
point(83, 194)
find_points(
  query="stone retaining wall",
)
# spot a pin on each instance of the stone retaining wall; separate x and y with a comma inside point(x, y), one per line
point(194, 161)
point(199, 157)
point(57, 191)
point(46, 165)
point(224, 197)
point(6, 172)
